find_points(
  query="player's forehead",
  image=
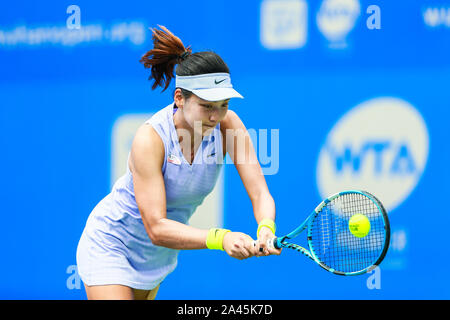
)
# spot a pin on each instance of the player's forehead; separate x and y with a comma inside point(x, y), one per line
point(202, 101)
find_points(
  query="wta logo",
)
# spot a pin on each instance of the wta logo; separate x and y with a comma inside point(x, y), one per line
point(380, 146)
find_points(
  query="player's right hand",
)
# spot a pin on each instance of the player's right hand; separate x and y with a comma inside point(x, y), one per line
point(239, 245)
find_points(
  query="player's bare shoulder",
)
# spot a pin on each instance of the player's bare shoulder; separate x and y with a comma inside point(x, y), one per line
point(230, 126)
point(147, 150)
point(229, 121)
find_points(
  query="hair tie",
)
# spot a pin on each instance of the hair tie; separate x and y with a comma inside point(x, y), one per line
point(184, 55)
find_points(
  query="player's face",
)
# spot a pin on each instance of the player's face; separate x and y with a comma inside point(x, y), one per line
point(202, 115)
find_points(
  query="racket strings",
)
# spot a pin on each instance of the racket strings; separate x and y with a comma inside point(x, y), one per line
point(333, 243)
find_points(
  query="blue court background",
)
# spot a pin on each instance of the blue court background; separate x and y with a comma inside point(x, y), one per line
point(58, 104)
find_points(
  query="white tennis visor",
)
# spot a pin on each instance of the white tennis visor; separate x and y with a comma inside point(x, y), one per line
point(208, 86)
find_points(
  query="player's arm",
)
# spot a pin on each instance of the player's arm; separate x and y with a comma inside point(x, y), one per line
point(146, 160)
point(238, 144)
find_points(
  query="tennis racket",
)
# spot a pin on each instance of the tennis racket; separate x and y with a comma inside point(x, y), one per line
point(331, 243)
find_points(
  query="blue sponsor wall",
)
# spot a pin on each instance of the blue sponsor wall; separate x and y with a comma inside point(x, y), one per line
point(62, 89)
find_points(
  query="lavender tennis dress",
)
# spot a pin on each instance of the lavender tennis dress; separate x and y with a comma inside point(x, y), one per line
point(115, 247)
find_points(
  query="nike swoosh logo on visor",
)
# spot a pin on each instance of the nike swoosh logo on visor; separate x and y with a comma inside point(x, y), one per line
point(217, 82)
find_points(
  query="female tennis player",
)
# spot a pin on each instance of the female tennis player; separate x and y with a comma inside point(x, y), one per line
point(132, 237)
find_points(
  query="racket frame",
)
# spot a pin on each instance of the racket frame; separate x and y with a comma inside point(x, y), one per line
point(281, 242)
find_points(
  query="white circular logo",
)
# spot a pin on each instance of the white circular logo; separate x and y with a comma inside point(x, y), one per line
point(380, 146)
point(336, 18)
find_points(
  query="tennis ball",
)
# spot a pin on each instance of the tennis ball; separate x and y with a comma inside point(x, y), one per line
point(359, 225)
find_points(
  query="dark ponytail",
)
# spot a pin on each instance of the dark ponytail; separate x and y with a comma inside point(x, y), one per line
point(168, 50)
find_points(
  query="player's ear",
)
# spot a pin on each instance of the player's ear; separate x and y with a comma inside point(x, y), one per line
point(178, 98)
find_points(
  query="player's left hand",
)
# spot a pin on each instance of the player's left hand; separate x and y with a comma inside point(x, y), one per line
point(263, 250)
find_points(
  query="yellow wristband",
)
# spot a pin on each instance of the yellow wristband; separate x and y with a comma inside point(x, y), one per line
point(269, 223)
point(214, 240)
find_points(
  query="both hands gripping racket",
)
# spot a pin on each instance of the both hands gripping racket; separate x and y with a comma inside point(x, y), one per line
point(332, 243)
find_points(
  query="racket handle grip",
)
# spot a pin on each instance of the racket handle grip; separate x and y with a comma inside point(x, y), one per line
point(271, 244)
